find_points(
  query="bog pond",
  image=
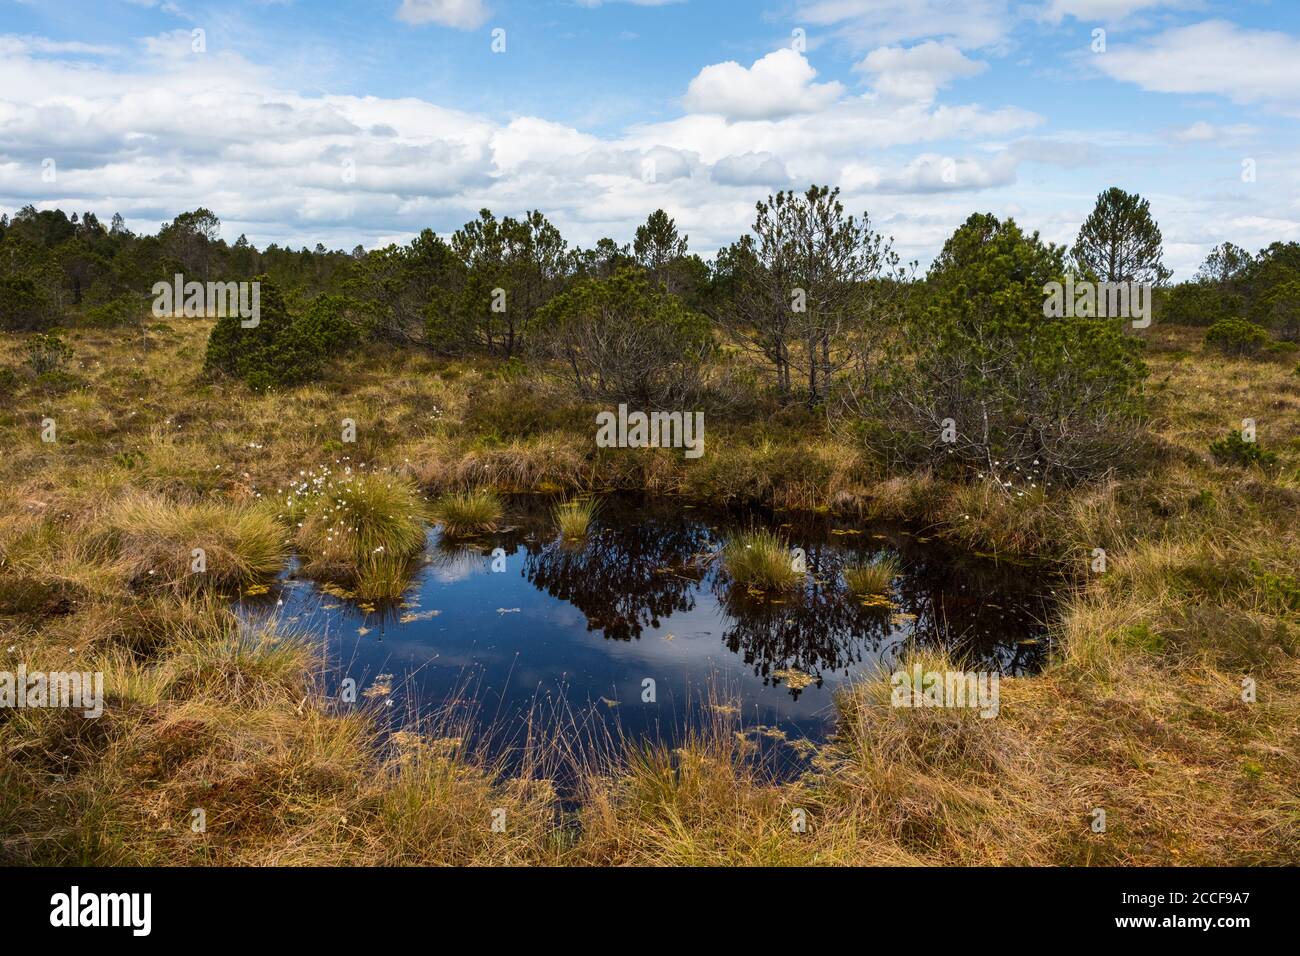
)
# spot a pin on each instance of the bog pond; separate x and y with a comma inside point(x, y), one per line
point(518, 622)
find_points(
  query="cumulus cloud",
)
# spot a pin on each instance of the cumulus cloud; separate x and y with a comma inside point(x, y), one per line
point(460, 14)
point(917, 72)
point(751, 169)
point(778, 85)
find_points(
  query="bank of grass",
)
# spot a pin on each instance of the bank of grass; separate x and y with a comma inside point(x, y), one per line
point(1141, 712)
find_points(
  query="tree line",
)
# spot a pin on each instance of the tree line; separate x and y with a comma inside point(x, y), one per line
point(814, 304)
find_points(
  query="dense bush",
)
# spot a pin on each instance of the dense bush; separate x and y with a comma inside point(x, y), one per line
point(1198, 303)
point(982, 378)
point(23, 305)
point(280, 350)
point(623, 339)
point(122, 310)
point(1236, 337)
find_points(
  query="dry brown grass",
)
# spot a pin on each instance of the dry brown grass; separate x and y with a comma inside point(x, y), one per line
point(1140, 714)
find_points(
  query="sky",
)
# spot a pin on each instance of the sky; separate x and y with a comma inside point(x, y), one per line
point(321, 121)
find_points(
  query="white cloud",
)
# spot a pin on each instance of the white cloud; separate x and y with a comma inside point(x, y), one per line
point(870, 23)
point(461, 14)
point(1211, 57)
point(917, 72)
point(778, 85)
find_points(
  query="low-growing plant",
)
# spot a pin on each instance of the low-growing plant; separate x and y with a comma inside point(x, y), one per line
point(760, 559)
point(468, 512)
point(158, 539)
point(1236, 337)
point(345, 522)
point(574, 517)
point(875, 577)
point(48, 352)
point(1232, 449)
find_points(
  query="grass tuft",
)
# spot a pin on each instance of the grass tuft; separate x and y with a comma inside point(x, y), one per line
point(760, 559)
point(874, 578)
point(574, 517)
point(468, 512)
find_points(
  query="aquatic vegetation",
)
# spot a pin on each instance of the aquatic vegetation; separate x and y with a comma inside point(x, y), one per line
point(760, 559)
point(468, 512)
point(874, 578)
point(574, 517)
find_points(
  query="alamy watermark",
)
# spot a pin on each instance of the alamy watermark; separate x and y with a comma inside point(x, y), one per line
point(197, 300)
point(1098, 300)
point(78, 690)
point(626, 429)
point(978, 690)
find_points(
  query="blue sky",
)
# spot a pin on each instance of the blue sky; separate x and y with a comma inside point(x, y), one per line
point(363, 122)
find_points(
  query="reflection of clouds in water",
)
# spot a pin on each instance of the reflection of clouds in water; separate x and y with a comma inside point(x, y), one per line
point(635, 581)
point(449, 564)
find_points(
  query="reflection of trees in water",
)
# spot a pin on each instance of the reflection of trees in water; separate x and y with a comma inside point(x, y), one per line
point(624, 577)
point(980, 613)
point(816, 629)
point(638, 568)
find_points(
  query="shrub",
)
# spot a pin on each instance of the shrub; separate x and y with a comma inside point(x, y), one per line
point(982, 375)
point(1198, 303)
point(1280, 309)
point(760, 560)
point(1236, 337)
point(468, 512)
point(123, 310)
point(280, 350)
point(622, 339)
point(1232, 449)
point(48, 353)
point(23, 305)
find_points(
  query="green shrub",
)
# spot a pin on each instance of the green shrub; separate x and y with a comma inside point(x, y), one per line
point(1198, 303)
point(984, 372)
point(48, 353)
point(622, 339)
point(280, 350)
point(123, 310)
point(1232, 449)
point(23, 305)
point(1236, 337)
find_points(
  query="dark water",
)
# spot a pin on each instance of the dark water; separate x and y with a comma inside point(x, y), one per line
point(579, 628)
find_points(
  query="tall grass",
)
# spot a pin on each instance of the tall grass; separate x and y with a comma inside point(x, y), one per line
point(468, 512)
point(349, 521)
point(760, 559)
point(574, 517)
point(158, 538)
point(873, 578)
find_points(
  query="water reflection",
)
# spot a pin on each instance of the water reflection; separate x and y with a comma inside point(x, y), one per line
point(522, 616)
